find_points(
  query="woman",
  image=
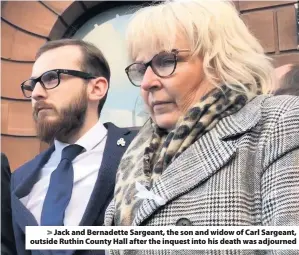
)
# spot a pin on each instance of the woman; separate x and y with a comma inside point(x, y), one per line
point(214, 151)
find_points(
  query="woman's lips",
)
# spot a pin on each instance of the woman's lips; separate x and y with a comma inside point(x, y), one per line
point(160, 106)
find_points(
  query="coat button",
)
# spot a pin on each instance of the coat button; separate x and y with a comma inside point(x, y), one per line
point(183, 222)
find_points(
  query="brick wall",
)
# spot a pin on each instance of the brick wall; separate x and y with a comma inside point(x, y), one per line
point(274, 24)
point(28, 25)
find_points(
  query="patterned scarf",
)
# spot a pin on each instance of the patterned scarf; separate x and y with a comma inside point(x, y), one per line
point(154, 149)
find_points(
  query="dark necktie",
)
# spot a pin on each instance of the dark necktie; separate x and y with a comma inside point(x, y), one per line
point(60, 188)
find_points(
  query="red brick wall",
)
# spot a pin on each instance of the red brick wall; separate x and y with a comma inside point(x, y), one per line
point(27, 25)
point(274, 24)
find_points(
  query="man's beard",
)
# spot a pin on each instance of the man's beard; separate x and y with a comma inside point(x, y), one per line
point(68, 120)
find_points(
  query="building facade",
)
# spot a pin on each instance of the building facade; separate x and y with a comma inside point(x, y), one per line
point(27, 25)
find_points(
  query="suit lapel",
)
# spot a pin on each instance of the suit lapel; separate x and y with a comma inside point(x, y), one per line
point(105, 183)
point(22, 215)
point(202, 159)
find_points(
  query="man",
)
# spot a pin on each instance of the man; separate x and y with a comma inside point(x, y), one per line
point(7, 237)
point(288, 80)
point(72, 182)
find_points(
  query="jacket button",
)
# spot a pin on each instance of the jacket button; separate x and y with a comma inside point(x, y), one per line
point(183, 222)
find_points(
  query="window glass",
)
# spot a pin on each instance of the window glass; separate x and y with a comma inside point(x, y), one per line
point(124, 106)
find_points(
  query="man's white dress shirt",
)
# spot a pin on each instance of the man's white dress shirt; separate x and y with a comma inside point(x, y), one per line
point(86, 167)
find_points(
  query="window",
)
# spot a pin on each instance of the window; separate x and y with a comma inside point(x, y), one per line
point(124, 106)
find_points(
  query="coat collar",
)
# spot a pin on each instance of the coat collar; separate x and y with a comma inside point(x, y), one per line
point(242, 121)
point(202, 159)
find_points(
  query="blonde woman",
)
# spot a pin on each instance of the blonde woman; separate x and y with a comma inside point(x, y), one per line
point(214, 151)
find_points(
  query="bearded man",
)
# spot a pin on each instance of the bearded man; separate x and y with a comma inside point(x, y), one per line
point(72, 182)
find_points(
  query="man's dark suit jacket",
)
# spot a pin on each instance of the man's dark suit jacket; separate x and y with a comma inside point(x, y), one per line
point(7, 238)
point(26, 176)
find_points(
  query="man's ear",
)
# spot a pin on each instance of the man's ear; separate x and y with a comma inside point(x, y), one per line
point(97, 88)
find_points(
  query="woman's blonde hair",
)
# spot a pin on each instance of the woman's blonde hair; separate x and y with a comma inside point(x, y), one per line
point(214, 31)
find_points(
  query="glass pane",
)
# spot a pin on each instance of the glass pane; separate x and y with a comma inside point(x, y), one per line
point(124, 107)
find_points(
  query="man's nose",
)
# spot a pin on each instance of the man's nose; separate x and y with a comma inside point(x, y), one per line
point(150, 80)
point(39, 92)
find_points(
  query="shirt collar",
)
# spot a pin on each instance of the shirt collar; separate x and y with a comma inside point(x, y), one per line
point(59, 146)
point(89, 140)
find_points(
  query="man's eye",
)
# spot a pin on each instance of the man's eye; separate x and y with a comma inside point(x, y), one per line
point(49, 78)
point(29, 88)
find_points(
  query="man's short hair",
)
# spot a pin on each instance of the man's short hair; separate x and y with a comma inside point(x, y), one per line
point(289, 83)
point(93, 61)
